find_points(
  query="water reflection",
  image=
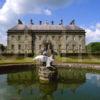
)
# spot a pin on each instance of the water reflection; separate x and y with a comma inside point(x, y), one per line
point(93, 78)
point(47, 90)
point(72, 75)
point(25, 86)
point(27, 78)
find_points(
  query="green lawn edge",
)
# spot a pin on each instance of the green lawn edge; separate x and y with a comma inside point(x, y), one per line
point(58, 59)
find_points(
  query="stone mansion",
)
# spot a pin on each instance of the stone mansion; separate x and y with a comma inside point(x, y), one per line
point(29, 39)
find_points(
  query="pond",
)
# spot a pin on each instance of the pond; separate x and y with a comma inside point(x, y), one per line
point(73, 84)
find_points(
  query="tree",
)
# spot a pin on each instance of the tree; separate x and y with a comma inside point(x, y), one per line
point(93, 47)
point(2, 48)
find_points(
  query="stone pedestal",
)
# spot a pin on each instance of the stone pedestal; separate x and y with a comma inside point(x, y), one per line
point(47, 74)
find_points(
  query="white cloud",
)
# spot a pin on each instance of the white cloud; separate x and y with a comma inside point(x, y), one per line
point(15, 9)
point(93, 33)
point(47, 12)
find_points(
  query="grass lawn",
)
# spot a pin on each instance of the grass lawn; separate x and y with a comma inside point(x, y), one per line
point(85, 60)
point(16, 60)
point(58, 59)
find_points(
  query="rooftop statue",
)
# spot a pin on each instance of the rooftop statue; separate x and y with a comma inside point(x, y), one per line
point(31, 21)
point(19, 21)
point(72, 22)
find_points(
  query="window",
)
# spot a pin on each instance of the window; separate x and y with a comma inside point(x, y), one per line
point(12, 36)
point(12, 46)
point(26, 46)
point(39, 46)
point(40, 37)
point(59, 37)
point(73, 46)
point(25, 36)
point(19, 46)
point(80, 46)
point(19, 37)
point(66, 46)
point(74, 38)
point(53, 37)
point(80, 37)
point(52, 46)
point(66, 37)
point(60, 46)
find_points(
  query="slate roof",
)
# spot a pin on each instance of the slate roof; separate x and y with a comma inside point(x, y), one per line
point(73, 27)
point(46, 27)
point(19, 27)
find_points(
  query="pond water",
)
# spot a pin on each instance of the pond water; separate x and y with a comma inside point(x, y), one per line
point(80, 85)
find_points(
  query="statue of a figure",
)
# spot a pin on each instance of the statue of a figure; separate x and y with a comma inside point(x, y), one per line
point(31, 21)
point(48, 48)
point(47, 57)
point(72, 22)
point(19, 21)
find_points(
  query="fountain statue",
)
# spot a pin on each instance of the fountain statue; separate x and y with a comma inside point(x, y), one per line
point(47, 71)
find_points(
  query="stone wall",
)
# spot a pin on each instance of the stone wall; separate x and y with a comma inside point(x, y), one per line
point(19, 43)
point(62, 42)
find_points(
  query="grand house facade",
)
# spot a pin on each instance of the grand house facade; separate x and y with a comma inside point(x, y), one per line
point(29, 39)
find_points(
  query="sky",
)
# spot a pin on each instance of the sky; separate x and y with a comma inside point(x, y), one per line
point(85, 12)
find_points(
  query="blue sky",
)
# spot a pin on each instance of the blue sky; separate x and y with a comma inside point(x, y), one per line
point(85, 12)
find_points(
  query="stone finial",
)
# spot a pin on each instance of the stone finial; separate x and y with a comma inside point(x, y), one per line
point(31, 21)
point(72, 22)
point(19, 21)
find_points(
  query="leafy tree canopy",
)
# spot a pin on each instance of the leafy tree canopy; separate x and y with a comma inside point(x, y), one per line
point(93, 47)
